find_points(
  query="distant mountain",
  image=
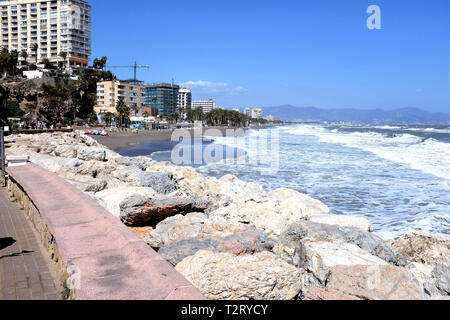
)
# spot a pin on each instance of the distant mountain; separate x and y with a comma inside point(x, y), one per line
point(378, 116)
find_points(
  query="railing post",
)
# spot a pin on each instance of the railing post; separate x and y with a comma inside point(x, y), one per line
point(2, 155)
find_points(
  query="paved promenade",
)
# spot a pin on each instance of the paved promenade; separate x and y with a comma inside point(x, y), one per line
point(25, 269)
point(107, 260)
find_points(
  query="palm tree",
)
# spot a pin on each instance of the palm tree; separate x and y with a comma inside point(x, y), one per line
point(12, 61)
point(123, 110)
point(108, 117)
point(24, 56)
point(47, 64)
point(100, 63)
point(135, 109)
point(63, 55)
point(35, 48)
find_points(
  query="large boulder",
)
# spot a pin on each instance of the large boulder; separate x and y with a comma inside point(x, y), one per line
point(143, 210)
point(311, 231)
point(111, 199)
point(55, 164)
point(140, 162)
point(192, 226)
point(343, 221)
point(237, 244)
point(422, 247)
point(178, 173)
point(441, 276)
point(85, 183)
point(270, 216)
point(161, 182)
point(91, 153)
point(374, 282)
point(97, 169)
point(65, 151)
point(317, 258)
point(224, 276)
point(294, 200)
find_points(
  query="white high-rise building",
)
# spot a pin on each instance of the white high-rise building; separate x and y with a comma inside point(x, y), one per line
point(257, 113)
point(206, 105)
point(184, 98)
point(51, 27)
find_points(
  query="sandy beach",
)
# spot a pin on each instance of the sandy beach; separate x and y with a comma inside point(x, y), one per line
point(120, 140)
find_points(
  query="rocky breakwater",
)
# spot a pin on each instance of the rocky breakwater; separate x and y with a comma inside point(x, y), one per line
point(235, 240)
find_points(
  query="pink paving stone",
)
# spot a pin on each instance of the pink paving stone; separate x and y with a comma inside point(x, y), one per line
point(114, 263)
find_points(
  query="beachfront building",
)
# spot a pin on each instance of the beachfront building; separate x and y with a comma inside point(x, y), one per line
point(235, 109)
point(109, 93)
point(257, 113)
point(247, 112)
point(184, 102)
point(162, 96)
point(44, 29)
point(184, 98)
point(207, 105)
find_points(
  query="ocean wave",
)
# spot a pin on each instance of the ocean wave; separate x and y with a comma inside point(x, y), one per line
point(427, 155)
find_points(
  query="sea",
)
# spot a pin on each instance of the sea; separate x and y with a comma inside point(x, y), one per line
point(398, 177)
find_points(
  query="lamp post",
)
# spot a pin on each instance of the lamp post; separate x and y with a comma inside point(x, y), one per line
point(2, 154)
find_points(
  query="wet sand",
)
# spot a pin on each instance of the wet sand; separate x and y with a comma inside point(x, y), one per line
point(121, 140)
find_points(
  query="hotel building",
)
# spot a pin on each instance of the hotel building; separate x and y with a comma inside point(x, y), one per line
point(51, 27)
point(206, 105)
point(109, 93)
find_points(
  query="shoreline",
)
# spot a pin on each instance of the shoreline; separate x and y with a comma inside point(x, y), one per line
point(123, 140)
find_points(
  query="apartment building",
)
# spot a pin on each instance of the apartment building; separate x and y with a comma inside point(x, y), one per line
point(44, 29)
point(207, 105)
point(247, 112)
point(184, 98)
point(162, 96)
point(257, 113)
point(109, 93)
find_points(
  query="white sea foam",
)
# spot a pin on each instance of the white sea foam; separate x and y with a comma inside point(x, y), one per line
point(429, 156)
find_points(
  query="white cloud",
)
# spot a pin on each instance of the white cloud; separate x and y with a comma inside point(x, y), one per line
point(214, 87)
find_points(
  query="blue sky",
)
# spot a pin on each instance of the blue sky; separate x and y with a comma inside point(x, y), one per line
point(267, 53)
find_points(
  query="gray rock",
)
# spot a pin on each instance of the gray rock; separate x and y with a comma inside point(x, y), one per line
point(374, 282)
point(192, 226)
point(237, 244)
point(161, 182)
point(56, 164)
point(112, 198)
point(91, 153)
point(422, 247)
point(317, 258)
point(148, 211)
point(94, 186)
point(441, 275)
point(307, 230)
point(141, 162)
point(224, 276)
point(65, 151)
